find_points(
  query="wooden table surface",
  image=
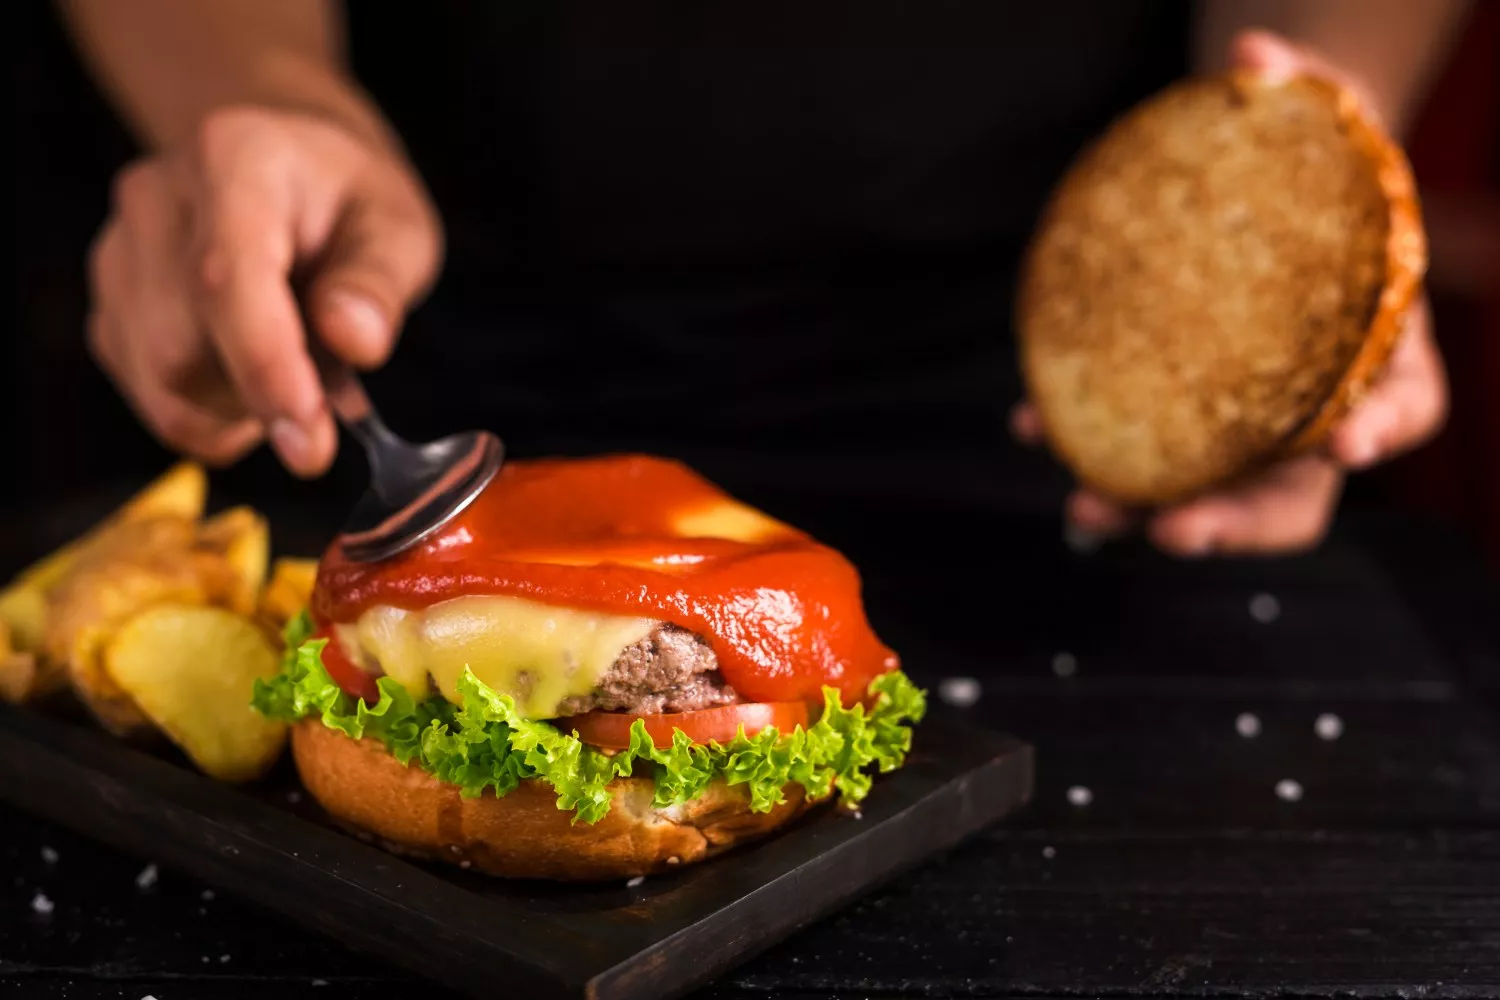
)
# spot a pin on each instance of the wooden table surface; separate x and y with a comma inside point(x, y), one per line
point(1158, 859)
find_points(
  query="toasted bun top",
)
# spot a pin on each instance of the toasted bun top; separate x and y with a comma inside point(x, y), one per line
point(524, 834)
point(1214, 283)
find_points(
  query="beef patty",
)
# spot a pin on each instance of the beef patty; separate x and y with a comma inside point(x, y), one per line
point(670, 670)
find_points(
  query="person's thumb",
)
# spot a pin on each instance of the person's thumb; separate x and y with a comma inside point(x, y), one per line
point(1278, 58)
point(379, 262)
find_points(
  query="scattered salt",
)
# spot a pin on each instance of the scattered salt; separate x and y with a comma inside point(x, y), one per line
point(960, 692)
point(293, 797)
point(223, 959)
point(41, 904)
point(1265, 608)
point(1080, 796)
point(1247, 724)
point(49, 855)
point(1049, 852)
point(320, 982)
point(1064, 664)
point(1288, 790)
point(1328, 726)
point(632, 883)
point(147, 878)
point(465, 864)
point(205, 958)
point(207, 896)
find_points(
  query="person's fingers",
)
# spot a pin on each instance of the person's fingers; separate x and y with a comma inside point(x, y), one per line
point(247, 249)
point(382, 258)
point(1097, 516)
point(107, 263)
point(1279, 58)
point(1026, 424)
point(1286, 509)
point(1405, 407)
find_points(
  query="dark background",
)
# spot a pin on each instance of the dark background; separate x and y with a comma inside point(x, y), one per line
point(1186, 876)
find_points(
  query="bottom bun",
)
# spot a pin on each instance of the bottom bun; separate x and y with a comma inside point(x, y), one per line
point(523, 834)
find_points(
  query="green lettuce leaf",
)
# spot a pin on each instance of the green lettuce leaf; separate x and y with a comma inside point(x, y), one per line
point(483, 742)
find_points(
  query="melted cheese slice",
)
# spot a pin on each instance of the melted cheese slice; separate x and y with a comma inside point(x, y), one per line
point(536, 653)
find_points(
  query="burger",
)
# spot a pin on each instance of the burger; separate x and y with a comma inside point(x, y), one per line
point(602, 668)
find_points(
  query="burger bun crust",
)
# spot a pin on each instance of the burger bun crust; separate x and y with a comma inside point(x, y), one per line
point(523, 834)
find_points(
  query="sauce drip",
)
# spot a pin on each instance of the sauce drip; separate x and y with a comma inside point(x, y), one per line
point(637, 535)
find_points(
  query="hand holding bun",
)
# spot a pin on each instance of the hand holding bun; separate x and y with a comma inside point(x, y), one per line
point(1221, 309)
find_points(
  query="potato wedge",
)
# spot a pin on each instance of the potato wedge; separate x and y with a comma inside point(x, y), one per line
point(133, 567)
point(23, 610)
point(178, 493)
point(17, 669)
point(240, 538)
point(181, 491)
point(191, 670)
point(287, 593)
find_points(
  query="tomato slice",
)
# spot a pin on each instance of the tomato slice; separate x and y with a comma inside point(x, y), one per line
point(611, 730)
point(343, 670)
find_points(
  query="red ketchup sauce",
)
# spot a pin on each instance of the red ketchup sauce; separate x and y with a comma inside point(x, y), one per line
point(783, 613)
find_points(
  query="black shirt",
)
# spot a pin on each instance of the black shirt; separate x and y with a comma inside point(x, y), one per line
point(775, 238)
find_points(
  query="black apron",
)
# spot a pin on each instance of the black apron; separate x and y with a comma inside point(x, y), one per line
point(777, 238)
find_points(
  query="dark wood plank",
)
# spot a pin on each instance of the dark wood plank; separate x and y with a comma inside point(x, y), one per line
point(610, 941)
point(1247, 914)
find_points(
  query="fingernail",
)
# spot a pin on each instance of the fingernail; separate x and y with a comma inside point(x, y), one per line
point(362, 316)
point(1360, 452)
point(1186, 544)
point(291, 441)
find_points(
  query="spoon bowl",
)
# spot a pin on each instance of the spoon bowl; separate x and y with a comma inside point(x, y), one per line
point(415, 489)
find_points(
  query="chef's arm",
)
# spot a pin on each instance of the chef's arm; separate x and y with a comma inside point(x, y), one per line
point(1393, 47)
point(165, 64)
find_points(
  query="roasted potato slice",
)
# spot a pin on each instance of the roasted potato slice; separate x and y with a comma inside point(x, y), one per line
point(23, 611)
point(287, 592)
point(181, 492)
point(18, 674)
point(132, 567)
point(240, 538)
point(191, 671)
point(178, 493)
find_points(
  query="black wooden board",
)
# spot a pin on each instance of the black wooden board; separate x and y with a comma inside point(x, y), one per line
point(656, 939)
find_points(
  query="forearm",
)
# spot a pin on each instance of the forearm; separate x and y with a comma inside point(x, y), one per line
point(165, 64)
point(1394, 46)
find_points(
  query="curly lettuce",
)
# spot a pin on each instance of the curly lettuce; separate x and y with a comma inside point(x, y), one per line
point(483, 743)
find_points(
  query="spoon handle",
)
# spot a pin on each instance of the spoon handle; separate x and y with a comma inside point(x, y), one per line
point(351, 404)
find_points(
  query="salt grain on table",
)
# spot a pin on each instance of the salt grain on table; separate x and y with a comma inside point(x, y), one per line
point(49, 855)
point(208, 896)
point(961, 692)
point(1080, 796)
point(632, 883)
point(223, 959)
point(41, 904)
point(1247, 724)
point(147, 878)
point(1288, 790)
point(1064, 664)
point(1265, 608)
point(1328, 726)
point(1049, 852)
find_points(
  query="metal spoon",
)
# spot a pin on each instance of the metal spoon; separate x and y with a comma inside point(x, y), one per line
point(415, 489)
